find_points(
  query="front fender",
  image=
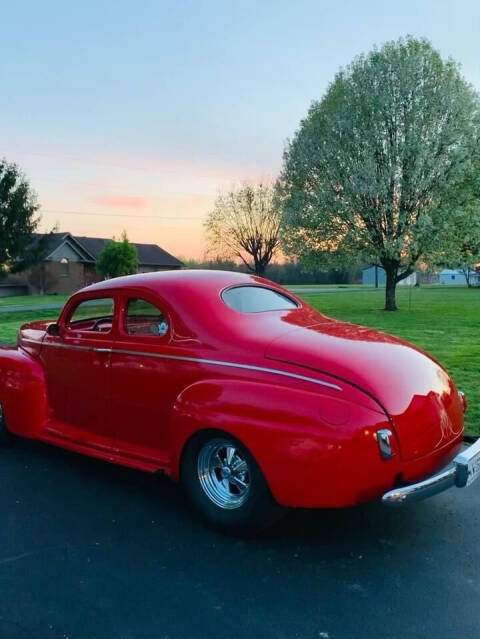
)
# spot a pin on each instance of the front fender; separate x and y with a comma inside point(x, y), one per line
point(310, 446)
point(22, 392)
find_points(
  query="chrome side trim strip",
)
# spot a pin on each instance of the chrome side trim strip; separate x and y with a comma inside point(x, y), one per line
point(198, 360)
point(72, 346)
point(215, 362)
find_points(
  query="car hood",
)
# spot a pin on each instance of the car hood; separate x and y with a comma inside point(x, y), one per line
point(414, 390)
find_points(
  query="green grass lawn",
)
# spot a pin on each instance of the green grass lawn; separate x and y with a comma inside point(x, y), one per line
point(11, 322)
point(443, 321)
point(32, 300)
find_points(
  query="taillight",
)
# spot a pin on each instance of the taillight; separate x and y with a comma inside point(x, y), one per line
point(384, 438)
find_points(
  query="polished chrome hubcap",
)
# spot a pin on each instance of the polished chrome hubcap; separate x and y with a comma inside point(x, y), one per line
point(223, 473)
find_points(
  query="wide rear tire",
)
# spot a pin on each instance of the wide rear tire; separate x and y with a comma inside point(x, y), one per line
point(225, 483)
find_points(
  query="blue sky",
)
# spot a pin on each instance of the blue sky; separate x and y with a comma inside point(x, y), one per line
point(141, 112)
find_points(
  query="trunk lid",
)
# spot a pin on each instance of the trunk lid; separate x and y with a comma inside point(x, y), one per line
point(413, 389)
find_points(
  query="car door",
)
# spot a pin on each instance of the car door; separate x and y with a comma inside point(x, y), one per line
point(144, 380)
point(77, 369)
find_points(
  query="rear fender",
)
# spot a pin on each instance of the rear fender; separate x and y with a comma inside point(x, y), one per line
point(22, 392)
point(299, 438)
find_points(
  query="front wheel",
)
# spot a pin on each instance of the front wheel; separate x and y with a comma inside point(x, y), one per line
point(226, 484)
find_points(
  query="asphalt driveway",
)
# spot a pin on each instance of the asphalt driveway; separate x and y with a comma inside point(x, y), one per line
point(89, 550)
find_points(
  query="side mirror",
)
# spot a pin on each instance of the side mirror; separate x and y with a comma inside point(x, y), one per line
point(53, 329)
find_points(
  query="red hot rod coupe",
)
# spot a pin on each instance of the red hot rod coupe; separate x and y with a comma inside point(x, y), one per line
point(249, 396)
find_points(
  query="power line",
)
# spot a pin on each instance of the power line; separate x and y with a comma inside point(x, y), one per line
point(155, 217)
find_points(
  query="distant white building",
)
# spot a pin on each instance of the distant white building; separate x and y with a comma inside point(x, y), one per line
point(456, 277)
point(410, 280)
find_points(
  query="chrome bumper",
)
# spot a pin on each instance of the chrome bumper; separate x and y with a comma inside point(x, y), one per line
point(465, 470)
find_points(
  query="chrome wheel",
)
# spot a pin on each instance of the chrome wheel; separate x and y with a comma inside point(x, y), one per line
point(223, 473)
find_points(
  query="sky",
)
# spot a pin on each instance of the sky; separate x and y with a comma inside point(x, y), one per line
point(133, 116)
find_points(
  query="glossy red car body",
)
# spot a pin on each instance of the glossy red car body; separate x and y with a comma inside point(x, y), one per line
point(304, 393)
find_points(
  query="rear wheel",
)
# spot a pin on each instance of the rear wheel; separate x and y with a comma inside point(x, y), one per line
point(226, 484)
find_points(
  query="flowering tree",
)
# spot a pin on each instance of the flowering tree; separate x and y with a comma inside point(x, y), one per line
point(382, 163)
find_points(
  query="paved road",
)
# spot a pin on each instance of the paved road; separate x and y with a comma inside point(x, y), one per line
point(89, 550)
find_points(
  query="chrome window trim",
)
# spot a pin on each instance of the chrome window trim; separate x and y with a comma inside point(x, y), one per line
point(198, 360)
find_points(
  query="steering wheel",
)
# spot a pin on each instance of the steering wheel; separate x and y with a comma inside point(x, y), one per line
point(101, 320)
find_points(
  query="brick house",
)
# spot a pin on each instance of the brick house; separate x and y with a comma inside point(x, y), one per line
point(68, 263)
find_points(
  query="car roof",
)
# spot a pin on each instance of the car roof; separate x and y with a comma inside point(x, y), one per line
point(194, 298)
point(207, 281)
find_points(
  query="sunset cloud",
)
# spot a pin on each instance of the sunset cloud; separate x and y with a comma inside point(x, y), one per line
point(136, 202)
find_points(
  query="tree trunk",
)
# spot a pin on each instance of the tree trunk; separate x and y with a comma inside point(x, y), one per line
point(260, 271)
point(259, 267)
point(390, 287)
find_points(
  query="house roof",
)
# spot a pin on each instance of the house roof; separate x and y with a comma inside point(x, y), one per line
point(89, 248)
point(147, 254)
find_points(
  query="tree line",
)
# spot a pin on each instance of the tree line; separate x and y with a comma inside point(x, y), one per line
point(286, 272)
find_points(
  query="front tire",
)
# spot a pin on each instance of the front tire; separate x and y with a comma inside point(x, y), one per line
point(226, 484)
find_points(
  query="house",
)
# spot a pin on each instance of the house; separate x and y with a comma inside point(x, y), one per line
point(369, 277)
point(456, 277)
point(68, 263)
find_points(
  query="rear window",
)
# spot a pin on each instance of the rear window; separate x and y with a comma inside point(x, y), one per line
point(255, 299)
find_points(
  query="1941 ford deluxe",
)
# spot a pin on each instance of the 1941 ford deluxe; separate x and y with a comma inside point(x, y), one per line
point(249, 396)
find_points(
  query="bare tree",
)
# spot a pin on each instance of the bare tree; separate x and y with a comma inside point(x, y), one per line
point(244, 225)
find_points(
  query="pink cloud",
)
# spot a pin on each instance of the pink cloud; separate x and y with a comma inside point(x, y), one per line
point(136, 202)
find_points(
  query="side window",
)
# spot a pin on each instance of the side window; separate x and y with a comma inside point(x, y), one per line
point(92, 315)
point(143, 318)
